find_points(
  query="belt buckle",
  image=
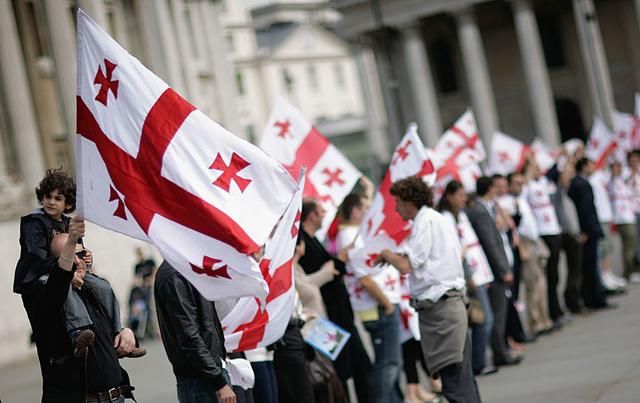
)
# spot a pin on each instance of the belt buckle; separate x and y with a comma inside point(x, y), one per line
point(114, 393)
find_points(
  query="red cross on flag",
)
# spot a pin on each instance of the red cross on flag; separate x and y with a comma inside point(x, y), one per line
point(624, 133)
point(543, 154)
point(153, 167)
point(507, 154)
point(382, 221)
point(600, 144)
point(247, 326)
point(290, 138)
point(409, 326)
point(462, 135)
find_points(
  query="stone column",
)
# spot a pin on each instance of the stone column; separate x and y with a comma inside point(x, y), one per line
point(20, 113)
point(96, 10)
point(59, 24)
point(535, 70)
point(218, 58)
point(424, 95)
point(159, 38)
point(637, 2)
point(595, 59)
point(477, 72)
point(374, 106)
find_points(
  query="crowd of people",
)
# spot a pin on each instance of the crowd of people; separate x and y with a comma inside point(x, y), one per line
point(463, 261)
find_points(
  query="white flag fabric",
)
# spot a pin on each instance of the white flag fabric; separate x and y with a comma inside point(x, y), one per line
point(290, 138)
point(600, 144)
point(409, 326)
point(474, 255)
point(153, 167)
point(247, 326)
point(507, 154)
point(382, 227)
point(543, 154)
point(624, 133)
point(462, 135)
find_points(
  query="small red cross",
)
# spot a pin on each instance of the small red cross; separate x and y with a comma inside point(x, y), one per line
point(546, 218)
point(473, 264)
point(207, 268)
point(390, 282)
point(504, 156)
point(371, 259)
point(296, 224)
point(357, 290)
point(402, 153)
point(105, 82)
point(120, 212)
point(403, 280)
point(284, 127)
point(332, 337)
point(594, 143)
point(405, 315)
point(333, 177)
point(623, 135)
point(230, 172)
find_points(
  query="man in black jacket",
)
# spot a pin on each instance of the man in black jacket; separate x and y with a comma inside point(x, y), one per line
point(98, 376)
point(192, 338)
point(481, 213)
point(581, 193)
point(353, 359)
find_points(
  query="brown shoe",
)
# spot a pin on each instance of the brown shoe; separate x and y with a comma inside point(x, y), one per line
point(83, 340)
point(137, 353)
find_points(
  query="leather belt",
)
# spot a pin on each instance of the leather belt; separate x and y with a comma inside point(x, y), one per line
point(111, 394)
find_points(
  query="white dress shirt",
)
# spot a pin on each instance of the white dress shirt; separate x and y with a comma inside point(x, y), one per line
point(434, 253)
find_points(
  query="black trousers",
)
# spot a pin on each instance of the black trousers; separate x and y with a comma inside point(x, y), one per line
point(356, 360)
point(592, 289)
point(499, 305)
point(458, 383)
point(514, 324)
point(411, 356)
point(573, 250)
point(553, 243)
point(292, 368)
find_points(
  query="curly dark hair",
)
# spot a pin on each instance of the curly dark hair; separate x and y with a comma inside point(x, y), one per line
point(413, 190)
point(57, 179)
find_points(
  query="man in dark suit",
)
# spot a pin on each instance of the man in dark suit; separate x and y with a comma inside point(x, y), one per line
point(481, 213)
point(353, 360)
point(581, 193)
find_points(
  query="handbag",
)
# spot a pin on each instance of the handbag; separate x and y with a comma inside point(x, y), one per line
point(475, 312)
point(326, 384)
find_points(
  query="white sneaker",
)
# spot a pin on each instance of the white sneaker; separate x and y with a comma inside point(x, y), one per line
point(608, 282)
point(619, 281)
point(634, 278)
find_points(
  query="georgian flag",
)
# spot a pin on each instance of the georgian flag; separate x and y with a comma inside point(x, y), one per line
point(382, 227)
point(153, 167)
point(600, 144)
point(409, 326)
point(290, 138)
point(474, 254)
point(543, 154)
point(624, 133)
point(247, 326)
point(462, 135)
point(507, 154)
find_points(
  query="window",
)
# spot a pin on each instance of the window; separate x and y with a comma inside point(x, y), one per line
point(287, 81)
point(239, 83)
point(443, 66)
point(339, 73)
point(552, 42)
point(313, 77)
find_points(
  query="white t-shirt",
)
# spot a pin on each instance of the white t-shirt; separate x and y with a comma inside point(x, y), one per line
point(633, 180)
point(434, 253)
point(599, 181)
point(537, 192)
point(527, 227)
point(388, 279)
point(621, 201)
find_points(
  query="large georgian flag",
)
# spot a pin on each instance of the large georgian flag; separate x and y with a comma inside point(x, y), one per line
point(290, 138)
point(152, 166)
point(507, 154)
point(247, 326)
point(544, 155)
point(624, 134)
point(382, 227)
point(600, 144)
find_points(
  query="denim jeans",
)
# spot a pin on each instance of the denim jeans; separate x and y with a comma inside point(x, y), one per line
point(197, 390)
point(385, 335)
point(481, 333)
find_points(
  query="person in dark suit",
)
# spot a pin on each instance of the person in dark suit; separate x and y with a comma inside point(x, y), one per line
point(481, 213)
point(353, 360)
point(581, 193)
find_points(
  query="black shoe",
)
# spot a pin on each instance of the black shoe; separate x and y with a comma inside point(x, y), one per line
point(487, 370)
point(557, 324)
point(82, 341)
point(137, 353)
point(510, 360)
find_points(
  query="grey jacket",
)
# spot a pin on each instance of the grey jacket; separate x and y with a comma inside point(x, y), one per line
point(490, 239)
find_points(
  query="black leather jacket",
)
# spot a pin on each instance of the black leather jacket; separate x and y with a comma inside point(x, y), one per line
point(190, 328)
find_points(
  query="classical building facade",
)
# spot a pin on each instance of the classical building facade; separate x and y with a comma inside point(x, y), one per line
point(526, 67)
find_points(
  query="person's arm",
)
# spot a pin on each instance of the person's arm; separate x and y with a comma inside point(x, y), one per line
point(400, 262)
point(371, 287)
point(326, 273)
point(492, 246)
point(179, 298)
point(368, 187)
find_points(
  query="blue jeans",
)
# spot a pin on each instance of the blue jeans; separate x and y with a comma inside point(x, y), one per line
point(197, 390)
point(481, 333)
point(385, 335)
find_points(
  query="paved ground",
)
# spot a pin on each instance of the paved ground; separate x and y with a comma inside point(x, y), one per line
point(595, 359)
